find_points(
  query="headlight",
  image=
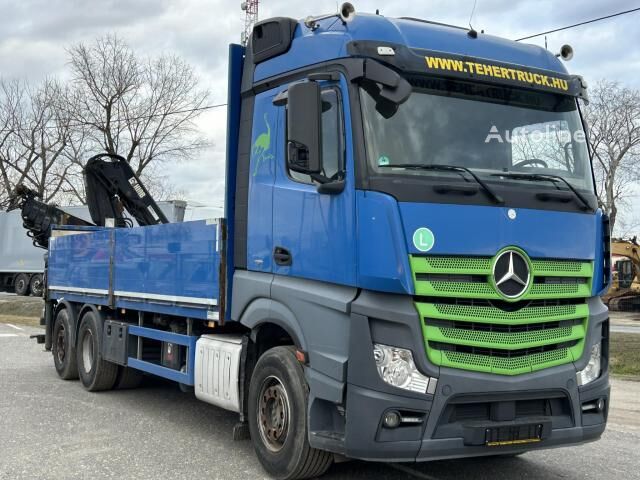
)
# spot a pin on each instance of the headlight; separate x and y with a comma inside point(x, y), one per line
point(593, 368)
point(396, 367)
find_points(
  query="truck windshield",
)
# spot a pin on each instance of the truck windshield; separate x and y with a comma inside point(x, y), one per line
point(486, 128)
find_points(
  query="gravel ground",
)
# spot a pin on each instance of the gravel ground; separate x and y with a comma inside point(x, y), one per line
point(53, 429)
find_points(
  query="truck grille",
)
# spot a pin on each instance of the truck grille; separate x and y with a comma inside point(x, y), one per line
point(468, 324)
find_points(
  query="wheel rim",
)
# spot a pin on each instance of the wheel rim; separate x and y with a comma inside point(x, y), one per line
point(87, 351)
point(37, 285)
point(20, 285)
point(60, 344)
point(274, 413)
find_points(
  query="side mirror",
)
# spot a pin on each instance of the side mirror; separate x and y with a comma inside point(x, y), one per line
point(304, 128)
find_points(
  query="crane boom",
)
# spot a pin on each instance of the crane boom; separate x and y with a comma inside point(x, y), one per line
point(112, 188)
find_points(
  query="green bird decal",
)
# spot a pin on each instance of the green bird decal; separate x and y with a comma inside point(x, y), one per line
point(261, 146)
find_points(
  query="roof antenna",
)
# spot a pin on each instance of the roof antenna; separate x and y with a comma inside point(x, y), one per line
point(472, 33)
point(545, 43)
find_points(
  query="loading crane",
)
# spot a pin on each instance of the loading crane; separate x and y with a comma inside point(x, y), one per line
point(112, 188)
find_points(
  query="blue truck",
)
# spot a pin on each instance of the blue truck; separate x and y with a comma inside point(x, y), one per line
point(409, 267)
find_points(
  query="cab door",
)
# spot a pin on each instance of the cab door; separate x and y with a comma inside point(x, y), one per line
point(266, 140)
point(313, 232)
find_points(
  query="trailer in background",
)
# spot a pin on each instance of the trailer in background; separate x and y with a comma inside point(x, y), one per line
point(22, 264)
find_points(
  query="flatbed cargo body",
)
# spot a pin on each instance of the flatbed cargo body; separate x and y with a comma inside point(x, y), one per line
point(171, 269)
point(22, 262)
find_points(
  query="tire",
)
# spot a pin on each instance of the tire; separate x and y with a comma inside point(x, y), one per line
point(128, 378)
point(277, 410)
point(95, 373)
point(36, 285)
point(21, 284)
point(63, 350)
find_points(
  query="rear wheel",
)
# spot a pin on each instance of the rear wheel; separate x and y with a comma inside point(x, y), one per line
point(36, 285)
point(95, 373)
point(278, 396)
point(64, 351)
point(21, 284)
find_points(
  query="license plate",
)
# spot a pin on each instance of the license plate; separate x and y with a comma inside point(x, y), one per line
point(513, 435)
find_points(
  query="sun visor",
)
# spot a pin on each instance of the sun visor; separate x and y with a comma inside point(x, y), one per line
point(469, 68)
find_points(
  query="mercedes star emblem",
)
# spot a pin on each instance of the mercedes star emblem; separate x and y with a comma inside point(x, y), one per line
point(511, 274)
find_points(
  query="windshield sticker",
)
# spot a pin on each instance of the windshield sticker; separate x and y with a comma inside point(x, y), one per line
point(383, 161)
point(423, 239)
point(494, 71)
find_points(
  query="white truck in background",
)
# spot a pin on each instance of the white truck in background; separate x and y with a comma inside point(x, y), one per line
point(22, 264)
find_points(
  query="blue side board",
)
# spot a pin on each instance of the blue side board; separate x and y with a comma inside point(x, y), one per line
point(171, 269)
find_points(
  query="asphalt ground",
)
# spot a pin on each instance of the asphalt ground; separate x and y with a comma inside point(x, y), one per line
point(54, 429)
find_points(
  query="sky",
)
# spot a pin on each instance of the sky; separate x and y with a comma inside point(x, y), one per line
point(34, 35)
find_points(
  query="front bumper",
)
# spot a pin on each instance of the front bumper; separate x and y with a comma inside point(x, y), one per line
point(442, 435)
point(465, 403)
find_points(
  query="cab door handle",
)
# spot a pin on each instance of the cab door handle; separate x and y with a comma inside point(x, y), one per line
point(282, 256)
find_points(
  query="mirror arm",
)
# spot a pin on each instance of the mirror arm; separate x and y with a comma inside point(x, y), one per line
point(332, 188)
point(281, 99)
point(320, 178)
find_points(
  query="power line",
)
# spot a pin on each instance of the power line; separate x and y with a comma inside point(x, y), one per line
point(126, 119)
point(578, 24)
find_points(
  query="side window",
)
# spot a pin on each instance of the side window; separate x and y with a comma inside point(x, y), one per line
point(332, 138)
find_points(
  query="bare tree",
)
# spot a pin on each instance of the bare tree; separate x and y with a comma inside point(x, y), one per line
point(10, 93)
point(35, 134)
point(613, 115)
point(143, 110)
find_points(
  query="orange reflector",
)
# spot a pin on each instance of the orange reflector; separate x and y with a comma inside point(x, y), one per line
point(301, 356)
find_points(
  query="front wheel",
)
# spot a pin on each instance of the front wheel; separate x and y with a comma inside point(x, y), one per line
point(278, 396)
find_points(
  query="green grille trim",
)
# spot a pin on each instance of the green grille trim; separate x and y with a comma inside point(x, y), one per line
point(506, 366)
point(523, 316)
point(438, 288)
point(503, 341)
point(482, 266)
point(455, 289)
point(561, 268)
point(456, 265)
point(567, 290)
point(477, 288)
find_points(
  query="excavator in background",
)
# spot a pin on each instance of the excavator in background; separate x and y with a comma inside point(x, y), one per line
point(624, 294)
point(111, 186)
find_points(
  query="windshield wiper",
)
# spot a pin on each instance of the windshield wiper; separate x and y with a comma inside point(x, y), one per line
point(451, 168)
point(548, 178)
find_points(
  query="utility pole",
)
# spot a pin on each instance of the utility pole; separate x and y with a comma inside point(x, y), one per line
point(250, 7)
